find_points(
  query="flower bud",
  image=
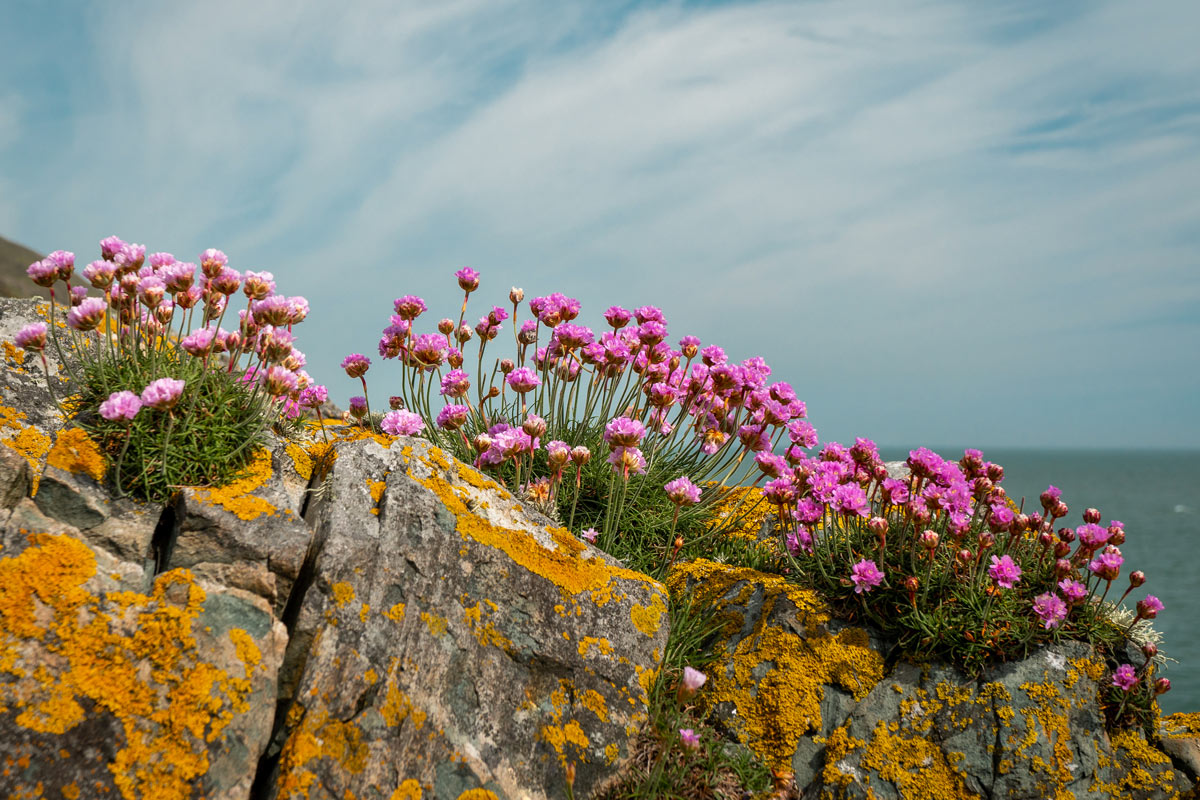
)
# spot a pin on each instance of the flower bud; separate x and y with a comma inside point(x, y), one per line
point(1162, 686)
point(464, 333)
point(516, 295)
point(534, 425)
point(481, 442)
point(1116, 536)
point(1066, 535)
point(454, 358)
point(1035, 521)
point(981, 487)
point(507, 366)
point(1149, 650)
point(920, 515)
point(445, 326)
point(1046, 539)
point(580, 455)
point(995, 473)
point(396, 402)
point(1059, 509)
point(986, 540)
point(1137, 578)
point(1061, 549)
point(965, 556)
point(1091, 515)
point(878, 526)
point(1020, 523)
point(929, 540)
point(1062, 568)
point(493, 392)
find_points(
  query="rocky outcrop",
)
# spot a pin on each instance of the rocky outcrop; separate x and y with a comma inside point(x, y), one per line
point(369, 619)
point(811, 696)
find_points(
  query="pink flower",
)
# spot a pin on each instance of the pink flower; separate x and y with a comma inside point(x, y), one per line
point(617, 317)
point(273, 310)
point(866, 576)
point(456, 383)
point(120, 405)
point(402, 423)
point(1149, 607)
point(199, 343)
point(1124, 677)
point(1107, 565)
point(1073, 590)
point(31, 337)
point(682, 492)
point(523, 379)
point(689, 738)
point(358, 406)
point(693, 679)
point(1004, 571)
point(163, 393)
point(43, 273)
point(453, 417)
point(1050, 608)
point(468, 279)
point(258, 285)
point(591, 534)
point(211, 260)
point(87, 315)
point(355, 364)
point(280, 381)
point(314, 396)
point(409, 307)
point(626, 460)
point(100, 274)
point(623, 432)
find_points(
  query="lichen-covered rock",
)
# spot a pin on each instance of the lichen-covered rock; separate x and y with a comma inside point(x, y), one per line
point(450, 645)
point(790, 673)
point(1180, 738)
point(106, 690)
point(1028, 729)
point(248, 533)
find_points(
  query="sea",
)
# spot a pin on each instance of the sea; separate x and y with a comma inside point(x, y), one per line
point(1157, 495)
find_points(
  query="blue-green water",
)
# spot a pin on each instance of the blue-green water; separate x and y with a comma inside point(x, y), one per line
point(1157, 496)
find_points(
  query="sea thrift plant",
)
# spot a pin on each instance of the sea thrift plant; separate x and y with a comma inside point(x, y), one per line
point(634, 436)
point(173, 396)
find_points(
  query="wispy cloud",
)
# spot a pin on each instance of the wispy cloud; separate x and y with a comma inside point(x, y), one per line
point(926, 215)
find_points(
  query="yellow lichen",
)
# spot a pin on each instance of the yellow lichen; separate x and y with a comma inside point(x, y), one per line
point(125, 654)
point(319, 736)
point(485, 632)
point(376, 488)
point(408, 790)
point(395, 613)
point(477, 794)
point(1182, 725)
point(13, 355)
point(75, 452)
point(594, 701)
point(599, 644)
point(648, 618)
point(1146, 770)
point(436, 625)
point(247, 651)
point(235, 496)
point(774, 678)
point(28, 441)
point(301, 460)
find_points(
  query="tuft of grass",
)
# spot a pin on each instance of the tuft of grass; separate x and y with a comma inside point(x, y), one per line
point(207, 439)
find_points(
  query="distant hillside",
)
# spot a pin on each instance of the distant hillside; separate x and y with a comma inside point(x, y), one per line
point(14, 260)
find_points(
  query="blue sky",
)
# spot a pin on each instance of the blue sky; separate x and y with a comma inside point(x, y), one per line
point(945, 223)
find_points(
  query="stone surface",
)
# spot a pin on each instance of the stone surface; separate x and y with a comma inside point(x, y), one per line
point(1180, 739)
point(450, 643)
point(248, 534)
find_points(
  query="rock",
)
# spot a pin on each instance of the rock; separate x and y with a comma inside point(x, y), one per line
point(1179, 736)
point(790, 673)
point(105, 690)
point(451, 644)
point(249, 533)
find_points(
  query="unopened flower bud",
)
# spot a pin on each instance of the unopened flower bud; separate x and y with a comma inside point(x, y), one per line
point(534, 425)
point(1059, 509)
point(1061, 549)
point(1116, 536)
point(580, 455)
point(1062, 568)
point(493, 392)
point(1149, 650)
point(981, 487)
point(1020, 523)
point(507, 366)
point(1066, 535)
point(1091, 515)
point(986, 540)
point(1046, 539)
point(920, 515)
point(464, 333)
point(454, 358)
point(929, 540)
point(1162, 686)
point(965, 556)
point(481, 442)
point(396, 402)
point(877, 526)
point(995, 472)
point(879, 472)
point(516, 295)
point(911, 584)
point(1137, 578)
point(445, 326)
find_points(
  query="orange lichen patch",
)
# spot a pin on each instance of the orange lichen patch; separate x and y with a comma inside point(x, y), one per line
point(594, 701)
point(775, 679)
point(376, 488)
point(32, 444)
point(71, 791)
point(395, 613)
point(916, 765)
point(397, 707)
point(302, 460)
point(559, 736)
point(364, 612)
point(319, 736)
point(13, 355)
point(611, 753)
point(1181, 725)
point(648, 618)
point(741, 513)
point(247, 651)
point(560, 564)
point(408, 790)
point(1136, 767)
point(437, 625)
point(485, 632)
point(75, 452)
point(477, 794)
point(124, 654)
point(597, 643)
point(236, 496)
point(343, 594)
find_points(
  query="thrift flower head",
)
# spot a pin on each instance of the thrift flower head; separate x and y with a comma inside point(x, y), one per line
point(356, 365)
point(453, 417)
point(523, 379)
point(683, 492)
point(430, 349)
point(689, 738)
point(31, 337)
point(402, 423)
point(468, 279)
point(591, 534)
point(623, 432)
point(1050, 608)
point(43, 273)
point(100, 274)
point(358, 406)
point(1004, 571)
point(1073, 590)
point(199, 343)
point(121, 405)
point(163, 393)
point(409, 307)
point(87, 315)
point(1107, 565)
point(1124, 677)
point(866, 576)
point(693, 679)
point(314, 396)
point(626, 460)
point(615, 315)
point(1149, 607)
